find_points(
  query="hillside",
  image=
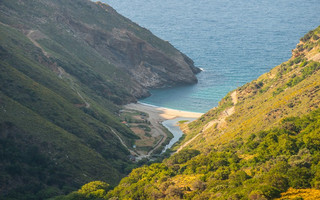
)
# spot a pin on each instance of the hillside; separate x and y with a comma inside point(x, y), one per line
point(101, 42)
point(260, 142)
point(65, 69)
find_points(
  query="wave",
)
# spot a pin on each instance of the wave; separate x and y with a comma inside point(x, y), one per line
point(146, 104)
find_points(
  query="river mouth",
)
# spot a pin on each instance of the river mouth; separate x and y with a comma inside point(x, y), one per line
point(173, 126)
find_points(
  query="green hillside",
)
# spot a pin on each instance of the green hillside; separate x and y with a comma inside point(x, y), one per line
point(62, 83)
point(260, 141)
point(43, 115)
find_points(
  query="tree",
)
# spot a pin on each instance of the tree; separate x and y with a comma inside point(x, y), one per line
point(299, 177)
point(95, 189)
point(174, 192)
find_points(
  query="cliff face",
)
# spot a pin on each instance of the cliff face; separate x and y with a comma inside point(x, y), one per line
point(149, 65)
point(82, 26)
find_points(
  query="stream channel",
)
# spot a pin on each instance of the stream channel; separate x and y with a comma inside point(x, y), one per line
point(173, 126)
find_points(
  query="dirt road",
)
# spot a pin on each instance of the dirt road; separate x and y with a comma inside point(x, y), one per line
point(220, 121)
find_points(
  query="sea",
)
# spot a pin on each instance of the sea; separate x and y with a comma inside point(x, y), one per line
point(233, 41)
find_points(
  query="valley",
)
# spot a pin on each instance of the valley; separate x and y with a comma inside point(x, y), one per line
point(72, 75)
point(64, 76)
point(146, 122)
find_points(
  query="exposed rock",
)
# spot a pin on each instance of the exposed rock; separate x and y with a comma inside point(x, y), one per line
point(149, 61)
point(147, 65)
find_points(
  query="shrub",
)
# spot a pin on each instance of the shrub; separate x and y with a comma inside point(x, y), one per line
point(174, 192)
point(315, 37)
point(183, 156)
point(257, 195)
point(299, 177)
point(269, 191)
point(222, 173)
point(199, 185)
point(307, 36)
point(238, 178)
point(278, 181)
point(95, 189)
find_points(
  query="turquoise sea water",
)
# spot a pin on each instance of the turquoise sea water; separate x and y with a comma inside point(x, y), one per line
point(234, 41)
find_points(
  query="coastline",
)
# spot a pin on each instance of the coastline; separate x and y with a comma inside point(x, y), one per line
point(158, 115)
point(162, 113)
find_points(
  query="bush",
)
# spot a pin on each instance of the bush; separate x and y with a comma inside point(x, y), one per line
point(269, 192)
point(222, 173)
point(307, 36)
point(257, 195)
point(238, 178)
point(199, 185)
point(278, 181)
point(95, 189)
point(183, 156)
point(315, 37)
point(299, 177)
point(174, 192)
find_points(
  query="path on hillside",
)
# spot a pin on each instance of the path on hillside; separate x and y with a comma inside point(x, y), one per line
point(137, 155)
point(159, 128)
point(62, 74)
point(155, 120)
point(156, 115)
point(123, 143)
point(220, 121)
point(32, 35)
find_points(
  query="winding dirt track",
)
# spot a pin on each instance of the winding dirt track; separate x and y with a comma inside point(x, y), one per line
point(156, 116)
point(122, 142)
point(31, 37)
point(220, 121)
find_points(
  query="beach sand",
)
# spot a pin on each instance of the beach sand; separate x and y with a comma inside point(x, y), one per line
point(160, 113)
point(157, 115)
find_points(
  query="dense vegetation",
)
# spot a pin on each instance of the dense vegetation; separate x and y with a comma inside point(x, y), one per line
point(60, 96)
point(267, 145)
point(59, 124)
point(48, 136)
point(262, 167)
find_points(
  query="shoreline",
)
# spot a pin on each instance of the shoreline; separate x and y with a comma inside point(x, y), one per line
point(161, 112)
point(158, 115)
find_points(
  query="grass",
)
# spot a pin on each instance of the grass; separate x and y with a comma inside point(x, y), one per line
point(183, 121)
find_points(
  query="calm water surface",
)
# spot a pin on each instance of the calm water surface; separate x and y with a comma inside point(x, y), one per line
point(173, 126)
point(234, 41)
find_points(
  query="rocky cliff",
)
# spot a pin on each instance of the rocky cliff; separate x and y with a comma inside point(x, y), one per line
point(82, 27)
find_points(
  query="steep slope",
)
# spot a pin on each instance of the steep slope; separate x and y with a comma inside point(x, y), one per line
point(262, 139)
point(103, 41)
point(65, 67)
point(290, 89)
point(49, 135)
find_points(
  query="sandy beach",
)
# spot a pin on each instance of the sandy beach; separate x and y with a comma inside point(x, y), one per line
point(160, 113)
point(157, 115)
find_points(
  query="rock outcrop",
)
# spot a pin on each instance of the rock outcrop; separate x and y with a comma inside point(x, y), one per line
point(148, 61)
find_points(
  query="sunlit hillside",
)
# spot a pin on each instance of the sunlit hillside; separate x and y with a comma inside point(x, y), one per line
point(261, 140)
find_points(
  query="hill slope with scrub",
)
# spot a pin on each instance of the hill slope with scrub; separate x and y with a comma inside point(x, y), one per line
point(260, 142)
point(66, 67)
